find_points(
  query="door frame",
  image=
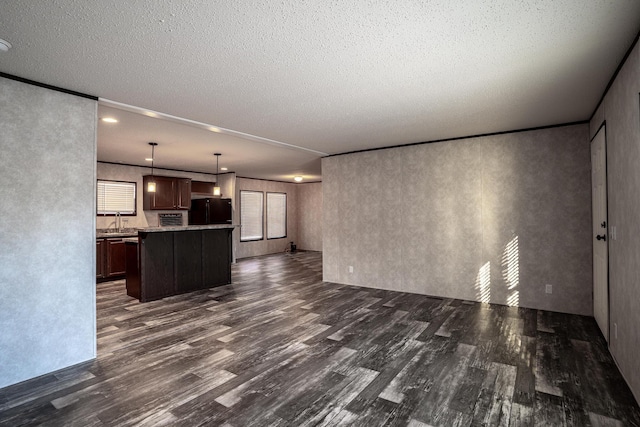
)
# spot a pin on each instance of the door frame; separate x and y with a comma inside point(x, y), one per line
point(603, 128)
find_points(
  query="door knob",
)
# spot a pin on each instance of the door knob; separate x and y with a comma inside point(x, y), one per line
point(603, 237)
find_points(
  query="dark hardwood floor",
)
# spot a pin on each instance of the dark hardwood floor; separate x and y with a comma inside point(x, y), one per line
point(280, 347)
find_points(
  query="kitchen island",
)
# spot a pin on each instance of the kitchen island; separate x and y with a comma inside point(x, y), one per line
point(165, 261)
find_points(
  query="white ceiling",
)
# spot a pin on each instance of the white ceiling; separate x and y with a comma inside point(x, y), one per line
point(326, 76)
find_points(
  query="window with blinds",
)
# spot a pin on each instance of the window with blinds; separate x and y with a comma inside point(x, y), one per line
point(116, 197)
point(251, 215)
point(276, 215)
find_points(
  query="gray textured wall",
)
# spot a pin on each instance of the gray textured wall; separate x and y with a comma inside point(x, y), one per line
point(47, 230)
point(264, 247)
point(491, 219)
point(621, 110)
point(310, 216)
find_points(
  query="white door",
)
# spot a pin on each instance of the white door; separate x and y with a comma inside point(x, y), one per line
point(600, 236)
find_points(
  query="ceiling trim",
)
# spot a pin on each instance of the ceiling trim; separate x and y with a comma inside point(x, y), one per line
point(162, 168)
point(276, 180)
point(206, 173)
point(615, 74)
point(46, 86)
point(205, 126)
point(581, 122)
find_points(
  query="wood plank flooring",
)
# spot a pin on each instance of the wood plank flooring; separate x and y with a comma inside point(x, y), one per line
point(279, 347)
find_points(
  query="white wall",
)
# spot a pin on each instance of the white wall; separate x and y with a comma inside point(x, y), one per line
point(491, 219)
point(621, 112)
point(47, 230)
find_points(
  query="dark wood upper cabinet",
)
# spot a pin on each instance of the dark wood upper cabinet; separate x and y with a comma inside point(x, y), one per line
point(183, 190)
point(202, 187)
point(165, 195)
point(171, 193)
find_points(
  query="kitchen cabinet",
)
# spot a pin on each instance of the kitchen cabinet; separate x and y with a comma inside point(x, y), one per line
point(133, 269)
point(165, 195)
point(171, 193)
point(183, 200)
point(202, 187)
point(115, 259)
point(110, 258)
point(100, 244)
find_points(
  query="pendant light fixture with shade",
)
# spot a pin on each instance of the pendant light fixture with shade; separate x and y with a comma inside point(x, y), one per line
point(216, 185)
point(151, 185)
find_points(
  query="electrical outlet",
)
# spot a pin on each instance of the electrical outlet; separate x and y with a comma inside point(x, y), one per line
point(548, 289)
point(351, 269)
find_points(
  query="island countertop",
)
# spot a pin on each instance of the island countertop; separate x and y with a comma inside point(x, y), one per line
point(186, 228)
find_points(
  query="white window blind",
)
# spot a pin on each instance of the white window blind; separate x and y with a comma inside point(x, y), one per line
point(251, 214)
point(114, 196)
point(276, 215)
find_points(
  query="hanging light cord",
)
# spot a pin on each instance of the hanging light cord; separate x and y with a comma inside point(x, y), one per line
point(216, 186)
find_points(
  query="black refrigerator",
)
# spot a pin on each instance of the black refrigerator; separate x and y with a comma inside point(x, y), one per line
point(210, 211)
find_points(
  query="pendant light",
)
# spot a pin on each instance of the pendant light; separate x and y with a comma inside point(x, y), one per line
point(151, 185)
point(216, 186)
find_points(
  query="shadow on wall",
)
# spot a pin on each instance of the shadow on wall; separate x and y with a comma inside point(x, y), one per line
point(510, 264)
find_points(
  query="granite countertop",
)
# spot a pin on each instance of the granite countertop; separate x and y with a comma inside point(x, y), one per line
point(186, 228)
point(133, 232)
point(130, 240)
point(101, 234)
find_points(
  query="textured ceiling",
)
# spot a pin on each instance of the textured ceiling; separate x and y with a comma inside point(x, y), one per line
point(330, 76)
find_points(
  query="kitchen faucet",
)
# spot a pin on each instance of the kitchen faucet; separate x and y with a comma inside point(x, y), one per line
point(118, 223)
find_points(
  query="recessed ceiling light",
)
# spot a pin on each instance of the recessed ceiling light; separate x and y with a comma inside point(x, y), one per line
point(224, 169)
point(297, 178)
point(149, 159)
point(109, 120)
point(4, 45)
